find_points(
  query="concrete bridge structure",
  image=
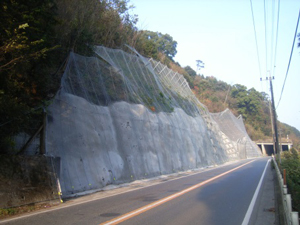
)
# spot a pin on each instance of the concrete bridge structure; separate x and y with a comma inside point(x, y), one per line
point(267, 146)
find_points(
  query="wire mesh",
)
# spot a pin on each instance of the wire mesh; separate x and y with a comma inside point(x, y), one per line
point(234, 128)
point(120, 117)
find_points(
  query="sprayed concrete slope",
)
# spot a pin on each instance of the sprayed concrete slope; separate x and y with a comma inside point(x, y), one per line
point(119, 117)
point(105, 145)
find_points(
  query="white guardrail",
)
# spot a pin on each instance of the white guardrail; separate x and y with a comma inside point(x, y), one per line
point(291, 218)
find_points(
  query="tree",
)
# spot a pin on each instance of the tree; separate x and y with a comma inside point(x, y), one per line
point(150, 43)
point(25, 28)
point(190, 71)
point(26, 39)
point(291, 163)
point(167, 45)
point(84, 23)
point(238, 91)
point(200, 64)
point(36, 37)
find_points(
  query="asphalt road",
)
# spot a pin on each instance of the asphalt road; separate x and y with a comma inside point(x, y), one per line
point(200, 198)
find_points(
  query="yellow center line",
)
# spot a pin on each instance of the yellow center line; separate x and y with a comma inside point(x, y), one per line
point(138, 211)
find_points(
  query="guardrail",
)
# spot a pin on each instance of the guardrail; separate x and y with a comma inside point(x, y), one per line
point(291, 218)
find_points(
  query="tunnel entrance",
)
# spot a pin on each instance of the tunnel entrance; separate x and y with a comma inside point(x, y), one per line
point(285, 148)
point(268, 148)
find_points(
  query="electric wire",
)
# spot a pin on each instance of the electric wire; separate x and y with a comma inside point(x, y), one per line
point(276, 39)
point(266, 42)
point(272, 37)
point(288, 67)
point(255, 34)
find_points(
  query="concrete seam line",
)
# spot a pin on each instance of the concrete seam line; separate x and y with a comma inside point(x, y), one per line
point(140, 210)
point(252, 203)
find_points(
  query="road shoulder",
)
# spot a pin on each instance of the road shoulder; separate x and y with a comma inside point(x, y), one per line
point(264, 211)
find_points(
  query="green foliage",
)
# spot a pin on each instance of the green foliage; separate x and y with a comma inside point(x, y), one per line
point(190, 71)
point(151, 43)
point(35, 38)
point(253, 106)
point(291, 132)
point(84, 23)
point(4, 213)
point(26, 43)
point(248, 101)
point(291, 162)
point(7, 212)
point(26, 28)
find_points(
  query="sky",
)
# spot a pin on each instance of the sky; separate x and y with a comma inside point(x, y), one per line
point(221, 34)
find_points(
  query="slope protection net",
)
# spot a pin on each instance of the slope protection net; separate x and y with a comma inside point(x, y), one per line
point(234, 128)
point(102, 125)
point(114, 76)
point(125, 77)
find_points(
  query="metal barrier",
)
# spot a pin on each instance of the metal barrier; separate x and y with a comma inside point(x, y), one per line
point(290, 217)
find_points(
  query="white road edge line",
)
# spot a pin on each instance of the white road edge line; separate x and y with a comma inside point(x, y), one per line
point(136, 212)
point(252, 203)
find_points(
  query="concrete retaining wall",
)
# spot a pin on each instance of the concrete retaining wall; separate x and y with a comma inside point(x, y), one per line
point(101, 145)
point(26, 180)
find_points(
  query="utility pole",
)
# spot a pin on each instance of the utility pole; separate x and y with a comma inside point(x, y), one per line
point(275, 121)
point(273, 133)
point(280, 140)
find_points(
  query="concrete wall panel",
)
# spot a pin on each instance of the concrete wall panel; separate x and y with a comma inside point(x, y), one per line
point(101, 145)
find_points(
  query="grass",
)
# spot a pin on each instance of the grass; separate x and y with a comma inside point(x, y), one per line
point(8, 212)
point(290, 161)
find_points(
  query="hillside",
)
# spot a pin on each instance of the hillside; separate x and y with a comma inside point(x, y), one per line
point(119, 117)
point(37, 37)
point(217, 95)
point(251, 104)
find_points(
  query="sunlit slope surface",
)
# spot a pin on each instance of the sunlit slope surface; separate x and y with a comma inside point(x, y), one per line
point(120, 117)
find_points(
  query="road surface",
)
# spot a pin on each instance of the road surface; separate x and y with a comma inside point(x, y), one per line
point(220, 195)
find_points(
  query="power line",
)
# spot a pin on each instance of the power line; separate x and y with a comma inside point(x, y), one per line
point(266, 42)
point(257, 52)
point(287, 71)
point(276, 40)
point(272, 35)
